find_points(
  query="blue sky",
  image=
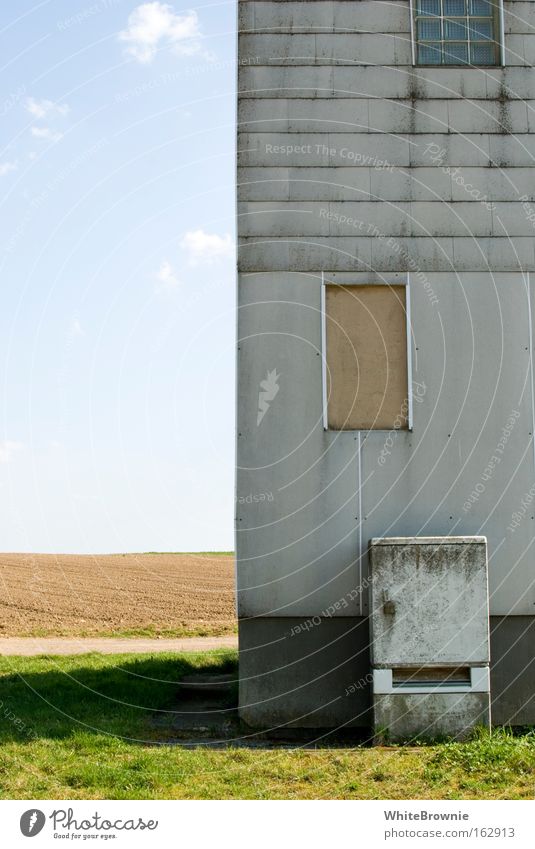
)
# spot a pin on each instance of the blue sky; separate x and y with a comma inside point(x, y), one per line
point(117, 276)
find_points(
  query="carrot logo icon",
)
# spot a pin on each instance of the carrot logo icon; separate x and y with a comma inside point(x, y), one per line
point(32, 822)
point(268, 390)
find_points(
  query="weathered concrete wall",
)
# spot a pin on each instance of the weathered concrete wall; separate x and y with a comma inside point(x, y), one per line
point(297, 672)
point(512, 671)
point(305, 674)
point(344, 165)
point(330, 85)
point(303, 549)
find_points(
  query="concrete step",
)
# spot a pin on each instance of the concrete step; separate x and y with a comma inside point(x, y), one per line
point(203, 684)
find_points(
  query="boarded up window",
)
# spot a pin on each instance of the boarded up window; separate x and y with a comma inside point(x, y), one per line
point(366, 332)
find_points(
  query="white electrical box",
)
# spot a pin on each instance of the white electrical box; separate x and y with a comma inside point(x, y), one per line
point(429, 622)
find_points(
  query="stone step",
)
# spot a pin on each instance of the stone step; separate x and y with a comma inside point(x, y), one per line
point(204, 684)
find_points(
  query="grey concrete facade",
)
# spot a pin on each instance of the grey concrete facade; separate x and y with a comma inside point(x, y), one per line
point(356, 167)
point(292, 675)
point(295, 673)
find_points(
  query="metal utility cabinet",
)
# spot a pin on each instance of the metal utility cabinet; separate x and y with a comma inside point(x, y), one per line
point(429, 630)
point(385, 215)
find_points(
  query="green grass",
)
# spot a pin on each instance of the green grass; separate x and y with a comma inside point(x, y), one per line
point(84, 727)
point(148, 632)
point(197, 553)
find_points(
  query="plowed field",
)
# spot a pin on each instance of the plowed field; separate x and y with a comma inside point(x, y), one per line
point(116, 594)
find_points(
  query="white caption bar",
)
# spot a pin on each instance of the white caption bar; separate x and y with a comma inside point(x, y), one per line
point(264, 825)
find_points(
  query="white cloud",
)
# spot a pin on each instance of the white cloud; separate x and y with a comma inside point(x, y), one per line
point(7, 167)
point(8, 449)
point(42, 108)
point(46, 133)
point(207, 247)
point(166, 278)
point(153, 25)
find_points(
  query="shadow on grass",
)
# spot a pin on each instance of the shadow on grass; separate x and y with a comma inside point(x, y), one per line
point(135, 699)
point(52, 697)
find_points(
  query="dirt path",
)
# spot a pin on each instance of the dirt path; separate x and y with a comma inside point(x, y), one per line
point(31, 646)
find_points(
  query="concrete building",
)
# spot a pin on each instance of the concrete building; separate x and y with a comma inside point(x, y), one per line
point(386, 215)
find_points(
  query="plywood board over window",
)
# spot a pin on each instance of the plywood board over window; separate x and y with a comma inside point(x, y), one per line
point(367, 373)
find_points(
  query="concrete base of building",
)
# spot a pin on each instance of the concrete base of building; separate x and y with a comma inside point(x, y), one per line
point(512, 670)
point(401, 717)
point(305, 673)
point(309, 672)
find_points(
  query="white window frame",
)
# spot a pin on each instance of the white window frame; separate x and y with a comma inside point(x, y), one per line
point(501, 35)
point(405, 281)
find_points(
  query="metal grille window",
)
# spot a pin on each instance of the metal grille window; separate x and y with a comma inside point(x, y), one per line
point(457, 32)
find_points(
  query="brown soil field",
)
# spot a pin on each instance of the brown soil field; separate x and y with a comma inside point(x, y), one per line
point(116, 594)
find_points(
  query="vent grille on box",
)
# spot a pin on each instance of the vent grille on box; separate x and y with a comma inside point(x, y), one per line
point(431, 676)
